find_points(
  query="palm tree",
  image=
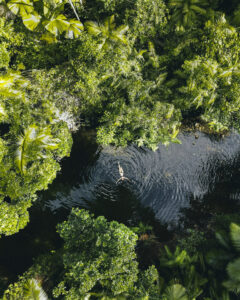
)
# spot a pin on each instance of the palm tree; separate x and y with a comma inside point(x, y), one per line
point(31, 144)
point(107, 32)
point(34, 291)
point(185, 12)
point(12, 84)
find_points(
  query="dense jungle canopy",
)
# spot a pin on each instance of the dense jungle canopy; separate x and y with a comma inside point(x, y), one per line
point(136, 71)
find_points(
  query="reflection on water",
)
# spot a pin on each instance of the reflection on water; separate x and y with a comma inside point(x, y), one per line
point(164, 180)
point(121, 204)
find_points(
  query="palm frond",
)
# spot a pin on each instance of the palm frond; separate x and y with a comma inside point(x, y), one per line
point(107, 32)
point(34, 291)
point(235, 235)
point(176, 292)
point(31, 144)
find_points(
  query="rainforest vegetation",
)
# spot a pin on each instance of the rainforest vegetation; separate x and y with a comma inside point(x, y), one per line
point(136, 72)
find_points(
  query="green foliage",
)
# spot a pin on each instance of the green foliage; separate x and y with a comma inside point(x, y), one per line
point(141, 229)
point(100, 9)
point(236, 18)
point(192, 242)
point(212, 79)
point(107, 32)
point(223, 254)
point(4, 56)
point(153, 68)
point(147, 285)
point(96, 262)
point(125, 91)
point(176, 292)
point(46, 16)
point(9, 41)
point(124, 105)
point(180, 266)
point(33, 145)
point(34, 291)
point(186, 12)
point(106, 258)
point(26, 288)
point(14, 216)
point(28, 161)
point(233, 283)
point(144, 123)
point(147, 20)
point(235, 235)
point(15, 290)
point(40, 278)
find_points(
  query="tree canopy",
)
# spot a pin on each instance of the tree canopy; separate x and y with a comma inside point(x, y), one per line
point(135, 71)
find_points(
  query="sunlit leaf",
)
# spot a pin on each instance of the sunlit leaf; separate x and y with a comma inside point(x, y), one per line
point(31, 21)
point(74, 30)
point(107, 32)
point(93, 28)
point(57, 25)
point(24, 7)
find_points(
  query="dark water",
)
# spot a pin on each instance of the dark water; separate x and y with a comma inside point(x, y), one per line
point(162, 187)
point(164, 180)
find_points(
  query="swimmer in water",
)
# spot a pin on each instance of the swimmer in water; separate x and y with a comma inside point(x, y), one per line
point(121, 173)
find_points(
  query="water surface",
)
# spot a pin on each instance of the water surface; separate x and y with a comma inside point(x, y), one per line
point(165, 180)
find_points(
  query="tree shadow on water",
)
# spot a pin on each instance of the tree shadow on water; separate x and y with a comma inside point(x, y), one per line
point(120, 203)
point(222, 198)
point(203, 212)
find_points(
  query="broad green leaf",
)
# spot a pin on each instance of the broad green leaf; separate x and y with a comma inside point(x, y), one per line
point(31, 21)
point(75, 29)
point(24, 7)
point(93, 28)
point(57, 25)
